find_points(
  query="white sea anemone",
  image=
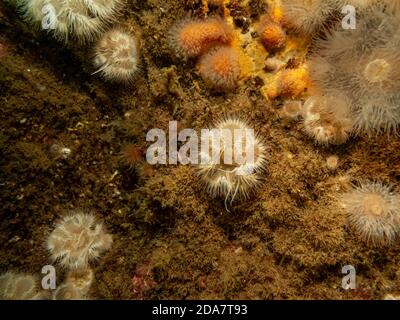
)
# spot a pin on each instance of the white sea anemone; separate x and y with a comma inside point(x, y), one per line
point(228, 177)
point(116, 56)
point(19, 287)
point(306, 16)
point(374, 212)
point(82, 19)
point(327, 119)
point(77, 239)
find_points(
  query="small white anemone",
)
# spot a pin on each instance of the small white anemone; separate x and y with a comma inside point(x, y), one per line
point(77, 239)
point(117, 56)
point(232, 179)
point(374, 212)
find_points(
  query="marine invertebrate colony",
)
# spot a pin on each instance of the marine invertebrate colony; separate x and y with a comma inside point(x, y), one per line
point(193, 37)
point(82, 19)
point(220, 68)
point(232, 178)
point(116, 56)
point(77, 239)
point(362, 64)
point(374, 212)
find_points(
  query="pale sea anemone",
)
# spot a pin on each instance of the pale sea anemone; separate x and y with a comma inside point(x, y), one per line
point(19, 287)
point(363, 65)
point(373, 210)
point(117, 56)
point(81, 19)
point(77, 239)
point(306, 16)
point(231, 179)
point(327, 119)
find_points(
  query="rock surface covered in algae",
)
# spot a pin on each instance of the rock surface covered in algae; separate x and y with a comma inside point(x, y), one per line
point(290, 240)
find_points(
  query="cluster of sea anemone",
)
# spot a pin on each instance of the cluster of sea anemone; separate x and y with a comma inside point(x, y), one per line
point(77, 239)
point(116, 52)
point(354, 74)
point(210, 40)
point(81, 19)
point(361, 65)
point(18, 286)
point(355, 82)
point(356, 89)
